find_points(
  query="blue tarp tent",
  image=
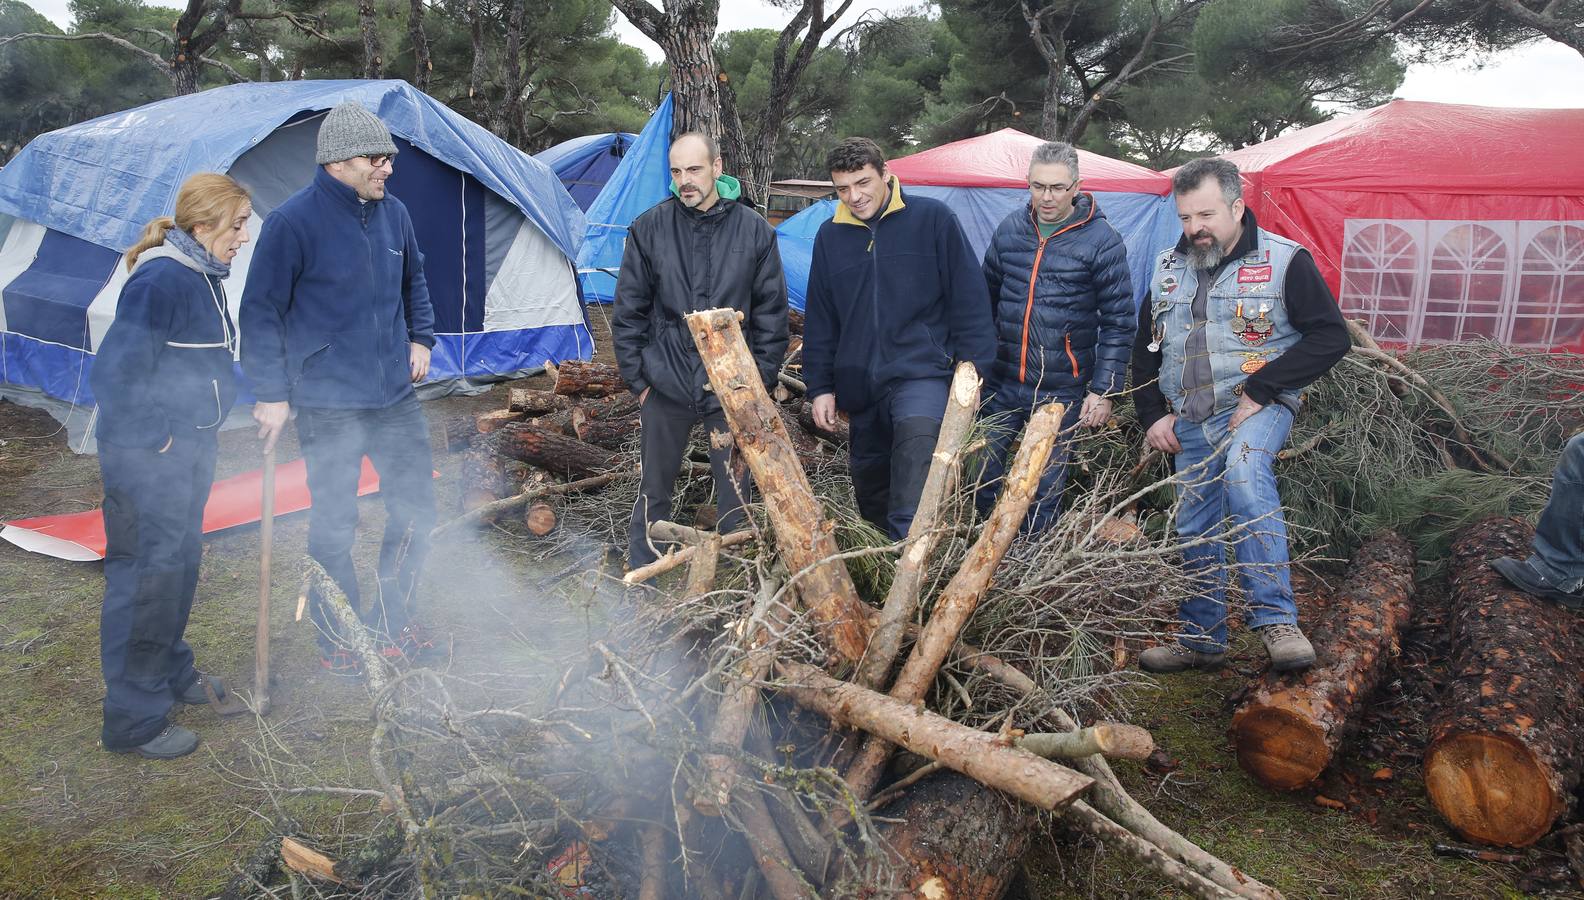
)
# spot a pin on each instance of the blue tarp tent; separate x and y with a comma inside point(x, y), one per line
point(498, 230)
point(983, 179)
point(584, 164)
point(642, 179)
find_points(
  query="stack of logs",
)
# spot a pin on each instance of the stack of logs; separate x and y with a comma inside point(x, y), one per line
point(578, 435)
point(1507, 738)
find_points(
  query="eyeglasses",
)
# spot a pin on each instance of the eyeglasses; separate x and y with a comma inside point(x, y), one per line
point(1038, 189)
point(378, 160)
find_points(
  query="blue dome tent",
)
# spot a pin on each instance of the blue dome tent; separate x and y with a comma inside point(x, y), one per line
point(642, 179)
point(585, 164)
point(983, 179)
point(497, 229)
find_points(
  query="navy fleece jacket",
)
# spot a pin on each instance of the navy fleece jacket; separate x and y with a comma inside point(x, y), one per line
point(334, 295)
point(893, 299)
point(164, 367)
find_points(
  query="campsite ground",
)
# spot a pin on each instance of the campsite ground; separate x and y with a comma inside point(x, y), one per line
point(78, 822)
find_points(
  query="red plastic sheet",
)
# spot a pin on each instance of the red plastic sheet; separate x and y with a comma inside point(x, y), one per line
point(233, 501)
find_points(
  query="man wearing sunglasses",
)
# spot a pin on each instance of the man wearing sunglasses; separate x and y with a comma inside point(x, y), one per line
point(337, 326)
point(1058, 278)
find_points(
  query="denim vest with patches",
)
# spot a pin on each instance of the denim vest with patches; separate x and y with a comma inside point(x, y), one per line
point(1246, 324)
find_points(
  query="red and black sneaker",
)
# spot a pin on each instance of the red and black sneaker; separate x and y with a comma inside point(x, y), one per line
point(414, 640)
point(341, 662)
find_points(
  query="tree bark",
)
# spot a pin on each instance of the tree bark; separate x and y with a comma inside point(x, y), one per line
point(536, 403)
point(1505, 745)
point(956, 838)
point(1108, 739)
point(368, 24)
point(982, 756)
point(487, 476)
point(803, 534)
point(612, 434)
point(576, 378)
point(903, 598)
point(552, 451)
point(806, 419)
point(423, 67)
point(961, 595)
point(1292, 725)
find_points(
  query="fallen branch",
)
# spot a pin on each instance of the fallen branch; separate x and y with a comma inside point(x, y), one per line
point(1109, 739)
point(677, 557)
point(491, 511)
point(986, 758)
point(902, 600)
point(961, 595)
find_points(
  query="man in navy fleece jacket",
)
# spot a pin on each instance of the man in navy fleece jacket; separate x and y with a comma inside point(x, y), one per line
point(336, 324)
point(895, 300)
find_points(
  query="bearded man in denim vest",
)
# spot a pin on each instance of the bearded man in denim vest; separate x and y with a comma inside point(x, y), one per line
point(1237, 323)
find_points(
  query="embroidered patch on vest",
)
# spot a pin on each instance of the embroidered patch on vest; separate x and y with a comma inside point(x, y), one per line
point(1168, 284)
point(1253, 362)
point(1254, 274)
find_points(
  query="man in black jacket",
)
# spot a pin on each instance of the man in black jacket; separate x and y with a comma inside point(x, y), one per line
point(700, 249)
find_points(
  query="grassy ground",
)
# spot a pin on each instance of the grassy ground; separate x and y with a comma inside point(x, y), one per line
point(76, 821)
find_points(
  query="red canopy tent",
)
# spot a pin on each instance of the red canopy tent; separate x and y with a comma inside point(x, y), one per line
point(1001, 160)
point(1437, 222)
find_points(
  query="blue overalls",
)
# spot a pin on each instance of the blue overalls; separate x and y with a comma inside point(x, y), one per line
point(163, 373)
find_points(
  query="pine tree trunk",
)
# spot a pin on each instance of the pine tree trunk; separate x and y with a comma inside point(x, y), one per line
point(1505, 745)
point(422, 66)
point(552, 451)
point(575, 378)
point(1293, 723)
point(690, 53)
point(368, 24)
point(957, 838)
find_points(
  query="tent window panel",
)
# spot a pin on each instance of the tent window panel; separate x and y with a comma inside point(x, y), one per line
point(1380, 277)
point(1550, 305)
point(1467, 286)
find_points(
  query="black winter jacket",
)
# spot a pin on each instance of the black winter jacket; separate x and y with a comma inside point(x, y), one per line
point(1073, 330)
point(677, 261)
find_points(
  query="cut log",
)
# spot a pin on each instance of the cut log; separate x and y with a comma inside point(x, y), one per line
point(536, 402)
point(1293, 723)
point(552, 451)
point(1112, 740)
point(794, 322)
point(489, 511)
point(953, 837)
point(576, 378)
point(540, 519)
point(612, 434)
point(459, 433)
point(1507, 744)
point(487, 476)
point(486, 422)
point(902, 599)
point(741, 699)
point(616, 406)
point(803, 534)
point(982, 756)
point(961, 596)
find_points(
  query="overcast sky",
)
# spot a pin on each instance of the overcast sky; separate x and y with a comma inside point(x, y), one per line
point(1542, 74)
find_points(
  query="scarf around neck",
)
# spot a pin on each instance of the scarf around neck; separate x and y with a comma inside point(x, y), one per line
point(189, 247)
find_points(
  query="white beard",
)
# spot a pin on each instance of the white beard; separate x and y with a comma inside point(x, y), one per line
point(1205, 257)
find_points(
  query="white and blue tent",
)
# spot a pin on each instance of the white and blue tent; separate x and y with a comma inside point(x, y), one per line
point(641, 179)
point(498, 231)
point(584, 164)
point(984, 178)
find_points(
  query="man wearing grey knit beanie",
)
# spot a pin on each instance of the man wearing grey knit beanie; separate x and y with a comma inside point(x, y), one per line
point(337, 327)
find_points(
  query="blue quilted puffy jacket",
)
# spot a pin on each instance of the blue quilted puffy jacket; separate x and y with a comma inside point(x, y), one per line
point(1072, 330)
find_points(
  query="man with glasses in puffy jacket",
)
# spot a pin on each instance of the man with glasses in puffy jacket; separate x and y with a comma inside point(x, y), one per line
point(1064, 315)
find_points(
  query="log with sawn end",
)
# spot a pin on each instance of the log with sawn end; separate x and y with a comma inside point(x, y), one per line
point(1290, 727)
point(1507, 743)
point(552, 451)
point(576, 378)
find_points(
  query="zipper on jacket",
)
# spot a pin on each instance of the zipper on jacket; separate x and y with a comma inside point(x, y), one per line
point(218, 414)
point(1028, 306)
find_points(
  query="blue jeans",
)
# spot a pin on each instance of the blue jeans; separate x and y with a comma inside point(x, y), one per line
point(1007, 418)
point(396, 441)
point(1232, 487)
point(153, 513)
point(1559, 539)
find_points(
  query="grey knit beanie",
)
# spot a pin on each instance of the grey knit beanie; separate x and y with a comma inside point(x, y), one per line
point(350, 130)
